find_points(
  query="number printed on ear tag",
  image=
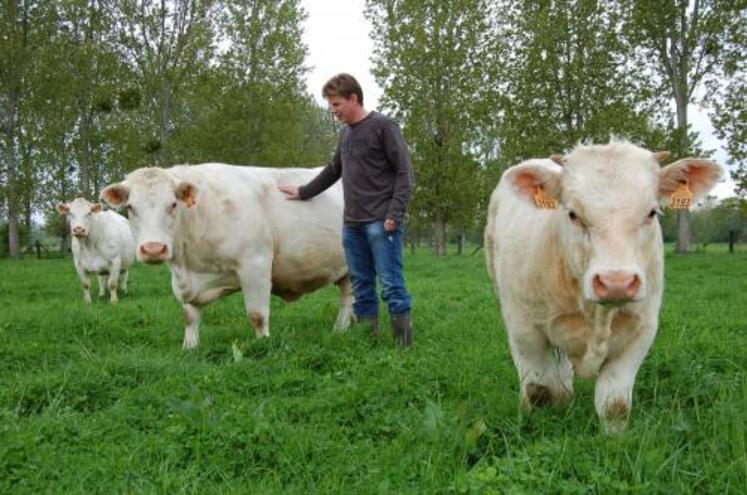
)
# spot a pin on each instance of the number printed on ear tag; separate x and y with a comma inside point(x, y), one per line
point(682, 197)
point(542, 200)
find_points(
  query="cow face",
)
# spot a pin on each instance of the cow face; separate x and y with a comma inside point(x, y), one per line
point(608, 199)
point(154, 202)
point(80, 214)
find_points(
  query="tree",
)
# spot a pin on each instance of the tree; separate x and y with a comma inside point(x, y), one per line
point(168, 46)
point(24, 26)
point(571, 76)
point(729, 101)
point(434, 62)
point(686, 42)
point(251, 107)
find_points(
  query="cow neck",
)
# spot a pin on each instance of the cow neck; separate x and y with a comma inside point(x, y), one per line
point(563, 277)
point(179, 257)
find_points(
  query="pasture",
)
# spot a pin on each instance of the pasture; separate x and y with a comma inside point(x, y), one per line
point(102, 399)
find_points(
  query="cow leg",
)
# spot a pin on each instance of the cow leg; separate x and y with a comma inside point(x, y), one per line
point(116, 264)
point(345, 314)
point(613, 394)
point(256, 285)
point(85, 283)
point(123, 277)
point(545, 375)
point(102, 284)
point(192, 319)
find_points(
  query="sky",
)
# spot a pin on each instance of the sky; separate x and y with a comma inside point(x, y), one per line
point(337, 36)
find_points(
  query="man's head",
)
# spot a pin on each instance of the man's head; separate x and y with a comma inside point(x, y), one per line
point(345, 98)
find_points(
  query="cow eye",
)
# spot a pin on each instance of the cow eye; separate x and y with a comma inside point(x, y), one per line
point(575, 218)
point(130, 210)
point(651, 215)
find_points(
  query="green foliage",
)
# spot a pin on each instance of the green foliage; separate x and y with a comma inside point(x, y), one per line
point(96, 398)
point(91, 90)
point(570, 78)
point(729, 99)
point(433, 60)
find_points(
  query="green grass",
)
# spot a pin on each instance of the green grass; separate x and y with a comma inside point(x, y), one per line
point(101, 399)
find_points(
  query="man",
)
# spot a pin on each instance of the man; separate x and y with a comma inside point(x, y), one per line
point(374, 163)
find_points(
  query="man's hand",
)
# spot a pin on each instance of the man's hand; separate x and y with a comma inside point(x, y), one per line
point(291, 192)
point(390, 225)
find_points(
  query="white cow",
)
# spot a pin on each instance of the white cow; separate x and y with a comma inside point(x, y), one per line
point(224, 228)
point(580, 285)
point(102, 243)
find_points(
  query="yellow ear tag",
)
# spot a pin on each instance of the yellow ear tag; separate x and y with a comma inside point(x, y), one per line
point(682, 197)
point(542, 200)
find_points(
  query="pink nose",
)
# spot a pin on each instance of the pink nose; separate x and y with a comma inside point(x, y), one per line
point(616, 286)
point(78, 231)
point(153, 251)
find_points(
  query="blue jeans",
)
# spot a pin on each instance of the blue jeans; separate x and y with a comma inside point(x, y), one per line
point(370, 251)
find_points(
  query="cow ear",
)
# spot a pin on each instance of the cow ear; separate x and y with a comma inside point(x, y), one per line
point(187, 193)
point(661, 156)
point(96, 208)
point(537, 183)
point(559, 159)
point(116, 195)
point(63, 208)
point(696, 173)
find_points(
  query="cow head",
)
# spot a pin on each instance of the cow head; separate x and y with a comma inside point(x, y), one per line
point(154, 202)
point(608, 198)
point(80, 214)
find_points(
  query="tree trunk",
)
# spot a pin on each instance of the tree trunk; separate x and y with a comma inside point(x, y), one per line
point(14, 244)
point(462, 241)
point(439, 246)
point(683, 216)
point(683, 232)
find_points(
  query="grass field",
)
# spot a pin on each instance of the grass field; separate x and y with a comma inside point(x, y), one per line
point(101, 399)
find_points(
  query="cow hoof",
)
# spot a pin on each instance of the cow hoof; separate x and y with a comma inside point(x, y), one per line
point(616, 417)
point(536, 395)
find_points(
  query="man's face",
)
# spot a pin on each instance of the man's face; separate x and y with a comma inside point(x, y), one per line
point(343, 109)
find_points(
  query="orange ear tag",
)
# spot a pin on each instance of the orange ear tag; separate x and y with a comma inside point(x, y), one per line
point(682, 197)
point(542, 200)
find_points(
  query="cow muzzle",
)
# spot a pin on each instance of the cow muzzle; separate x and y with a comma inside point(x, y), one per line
point(80, 232)
point(154, 252)
point(617, 286)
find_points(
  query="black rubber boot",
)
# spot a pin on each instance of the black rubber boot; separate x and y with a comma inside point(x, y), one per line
point(402, 328)
point(369, 324)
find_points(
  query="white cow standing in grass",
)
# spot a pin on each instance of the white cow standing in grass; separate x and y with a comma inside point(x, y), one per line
point(102, 243)
point(580, 285)
point(224, 228)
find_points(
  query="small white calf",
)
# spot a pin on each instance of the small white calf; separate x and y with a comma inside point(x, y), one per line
point(102, 243)
point(576, 254)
